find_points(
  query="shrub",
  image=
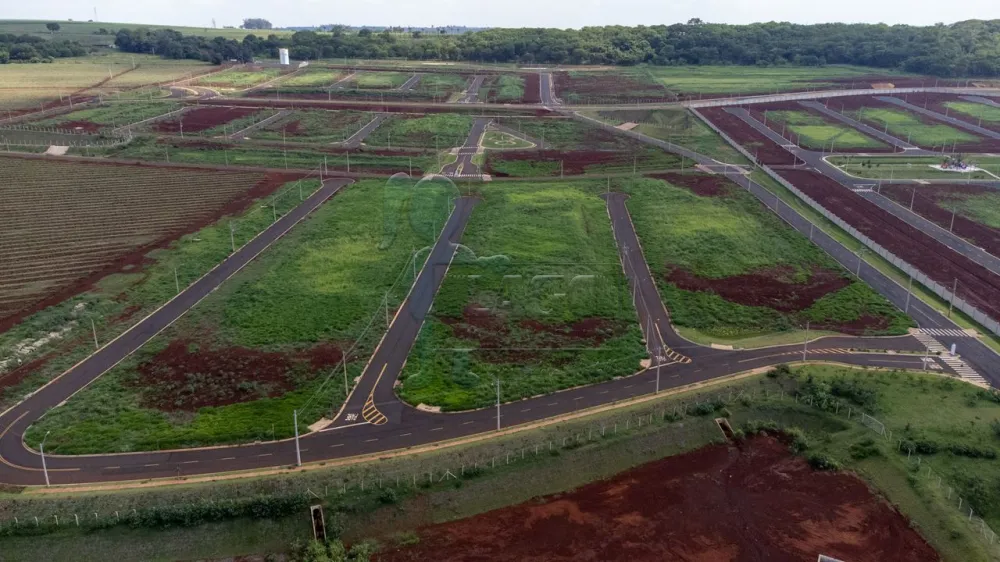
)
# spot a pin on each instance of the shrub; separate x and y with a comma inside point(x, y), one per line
point(755, 427)
point(781, 370)
point(799, 440)
point(864, 449)
point(388, 496)
point(820, 461)
point(919, 446)
point(972, 452)
point(995, 424)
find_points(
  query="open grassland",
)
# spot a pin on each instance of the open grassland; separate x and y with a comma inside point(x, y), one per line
point(678, 126)
point(88, 32)
point(729, 269)
point(238, 78)
point(160, 71)
point(542, 163)
point(814, 131)
point(432, 131)
point(621, 85)
point(63, 221)
point(983, 208)
point(916, 167)
point(908, 126)
point(975, 110)
point(439, 86)
point(318, 78)
point(505, 88)
point(371, 80)
point(563, 133)
point(500, 140)
point(314, 126)
point(753, 80)
point(536, 298)
point(108, 115)
point(235, 367)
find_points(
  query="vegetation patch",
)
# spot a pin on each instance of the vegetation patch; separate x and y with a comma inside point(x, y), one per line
point(678, 126)
point(539, 163)
point(815, 131)
point(107, 116)
point(505, 88)
point(433, 131)
point(314, 126)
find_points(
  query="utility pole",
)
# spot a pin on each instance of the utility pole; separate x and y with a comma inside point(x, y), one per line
point(909, 293)
point(298, 451)
point(232, 237)
point(177, 282)
point(805, 344)
point(498, 403)
point(951, 228)
point(954, 295)
point(41, 449)
point(93, 329)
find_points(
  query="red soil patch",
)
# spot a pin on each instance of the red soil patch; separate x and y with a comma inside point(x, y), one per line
point(768, 152)
point(700, 184)
point(574, 162)
point(532, 89)
point(605, 86)
point(929, 203)
point(293, 128)
point(752, 501)
point(772, 287)
point(203, 118)
point(976, 284)
point(181, 378)
point(305, 100)
point(15, 376)
point(497, 335)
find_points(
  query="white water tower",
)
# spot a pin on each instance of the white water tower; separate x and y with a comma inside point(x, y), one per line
point(283, 56)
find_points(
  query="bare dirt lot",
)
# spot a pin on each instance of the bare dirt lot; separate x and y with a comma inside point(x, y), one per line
point(203, 118)
point(928, 204)
point(767, 151)
point(748, 502)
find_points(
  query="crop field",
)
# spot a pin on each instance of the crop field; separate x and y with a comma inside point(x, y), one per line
point(107, 115)
point(814, 131)
point(212, 121)
point(25, 85)
point(244, 154)
point(235, 367)
point(916, 167)
point(678, 126)
point(63, 222)
point(576, 326)
point(238, 78)
point(728, 268)
point(505, 88)
point(976, 284)
point(620, 86)
point(314, 126)
point(767, 151)
point(541, 163)
point(564, 133)
point(432, 131)
point(974, 209)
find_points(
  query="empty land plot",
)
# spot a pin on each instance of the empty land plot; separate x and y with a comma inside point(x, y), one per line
point(236, 366)
point(64, 223)
point(970, 211)
point(505, 88)
point(728, 268)
point(677, 126)
point(978, 111)
point(314, 126)
point(902, 124)
point(499, 140)
point(538, 300)
point(160, 72)
point(917, 167)
point(373, 80)
point(211, 121)
point(579, 87)
point(25, 85)
point(108, 115)
point(239, 78)
point(434, 131)
point(761, 146)
point(810, 130)
point(440, 87)
point(541, 163)
point(313, 78)
point(564, 133)
point(976, 285)
point(711, 80)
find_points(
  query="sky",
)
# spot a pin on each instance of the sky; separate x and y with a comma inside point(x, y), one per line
point(505, 13)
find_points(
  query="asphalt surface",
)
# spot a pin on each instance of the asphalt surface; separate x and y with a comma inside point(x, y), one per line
point(472, 91)
point(411, 82)
point(547, 90)
point(464, 167)
point(975, 129)
point(359, 137)
point(982, 100)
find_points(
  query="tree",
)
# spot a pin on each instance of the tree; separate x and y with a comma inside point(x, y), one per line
point(4, 56)
point(365, 32)
point(52, 27)
point(256, 23)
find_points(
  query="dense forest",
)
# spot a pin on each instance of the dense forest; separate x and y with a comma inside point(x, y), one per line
point(30, 48)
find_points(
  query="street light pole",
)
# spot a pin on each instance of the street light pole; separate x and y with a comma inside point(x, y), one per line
point(298, 452)
point(41, 449)
point(805, 344)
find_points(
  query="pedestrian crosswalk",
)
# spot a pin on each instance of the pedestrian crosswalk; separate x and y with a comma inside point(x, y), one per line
point(862, 188)
point(954, 362)
point(946, 332)
point(964, 371)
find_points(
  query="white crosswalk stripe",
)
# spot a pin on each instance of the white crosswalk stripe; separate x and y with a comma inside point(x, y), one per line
point(862, 189)
point(964, 371)
point(947, 332)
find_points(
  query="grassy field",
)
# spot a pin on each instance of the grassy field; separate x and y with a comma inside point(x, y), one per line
point(907, 126)
point(747, 79)
point(983, 208)
point(538, 299)
point(909, 404)
point(504, 141)
point(441, 86)
point(307, 298)
point(312, 78)
point(111, 114)
point(506, 88)
point(677, 126)
point(915, 167)
point(238, 78)
point(982, 111)
point(380, 80)
point(730, 235)
point(567, 134)
point(437, 130)
point(315, 126)
point(813, 131)
point(86, 31)
point(532, 165)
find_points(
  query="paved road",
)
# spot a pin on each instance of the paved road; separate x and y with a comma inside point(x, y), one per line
point(547, 90)
point(472, 92)
point(411, 83)
point(975, 129)
point(359, 137)
point(464, 167)
point(982, 100)
point(864, 187)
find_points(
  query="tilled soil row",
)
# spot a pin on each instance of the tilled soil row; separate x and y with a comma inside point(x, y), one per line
point(927, 204)
point(768, 152)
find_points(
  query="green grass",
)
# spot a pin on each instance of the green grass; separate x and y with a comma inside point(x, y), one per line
point(748, 79)
point(315, 126)
point(238, 79)
point(914, 167)
point(678, 126)
point(567, 134)
point(527, 244)
point(439, 130)
point(109, 114)
point(506, 89)
point(606, 163)
point(380, 80)
point(982, 207)
point(987, 113)
point(813, 131)
point(324, 282)
point(312, 77)
point(720, 237)
point(440, 86)
point(504, 141)
point(84, 31)
point(907, 126)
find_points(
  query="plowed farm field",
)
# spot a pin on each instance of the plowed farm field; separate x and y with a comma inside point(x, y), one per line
point(66, 225)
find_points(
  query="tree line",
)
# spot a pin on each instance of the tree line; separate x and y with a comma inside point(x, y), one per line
point(30, 48)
